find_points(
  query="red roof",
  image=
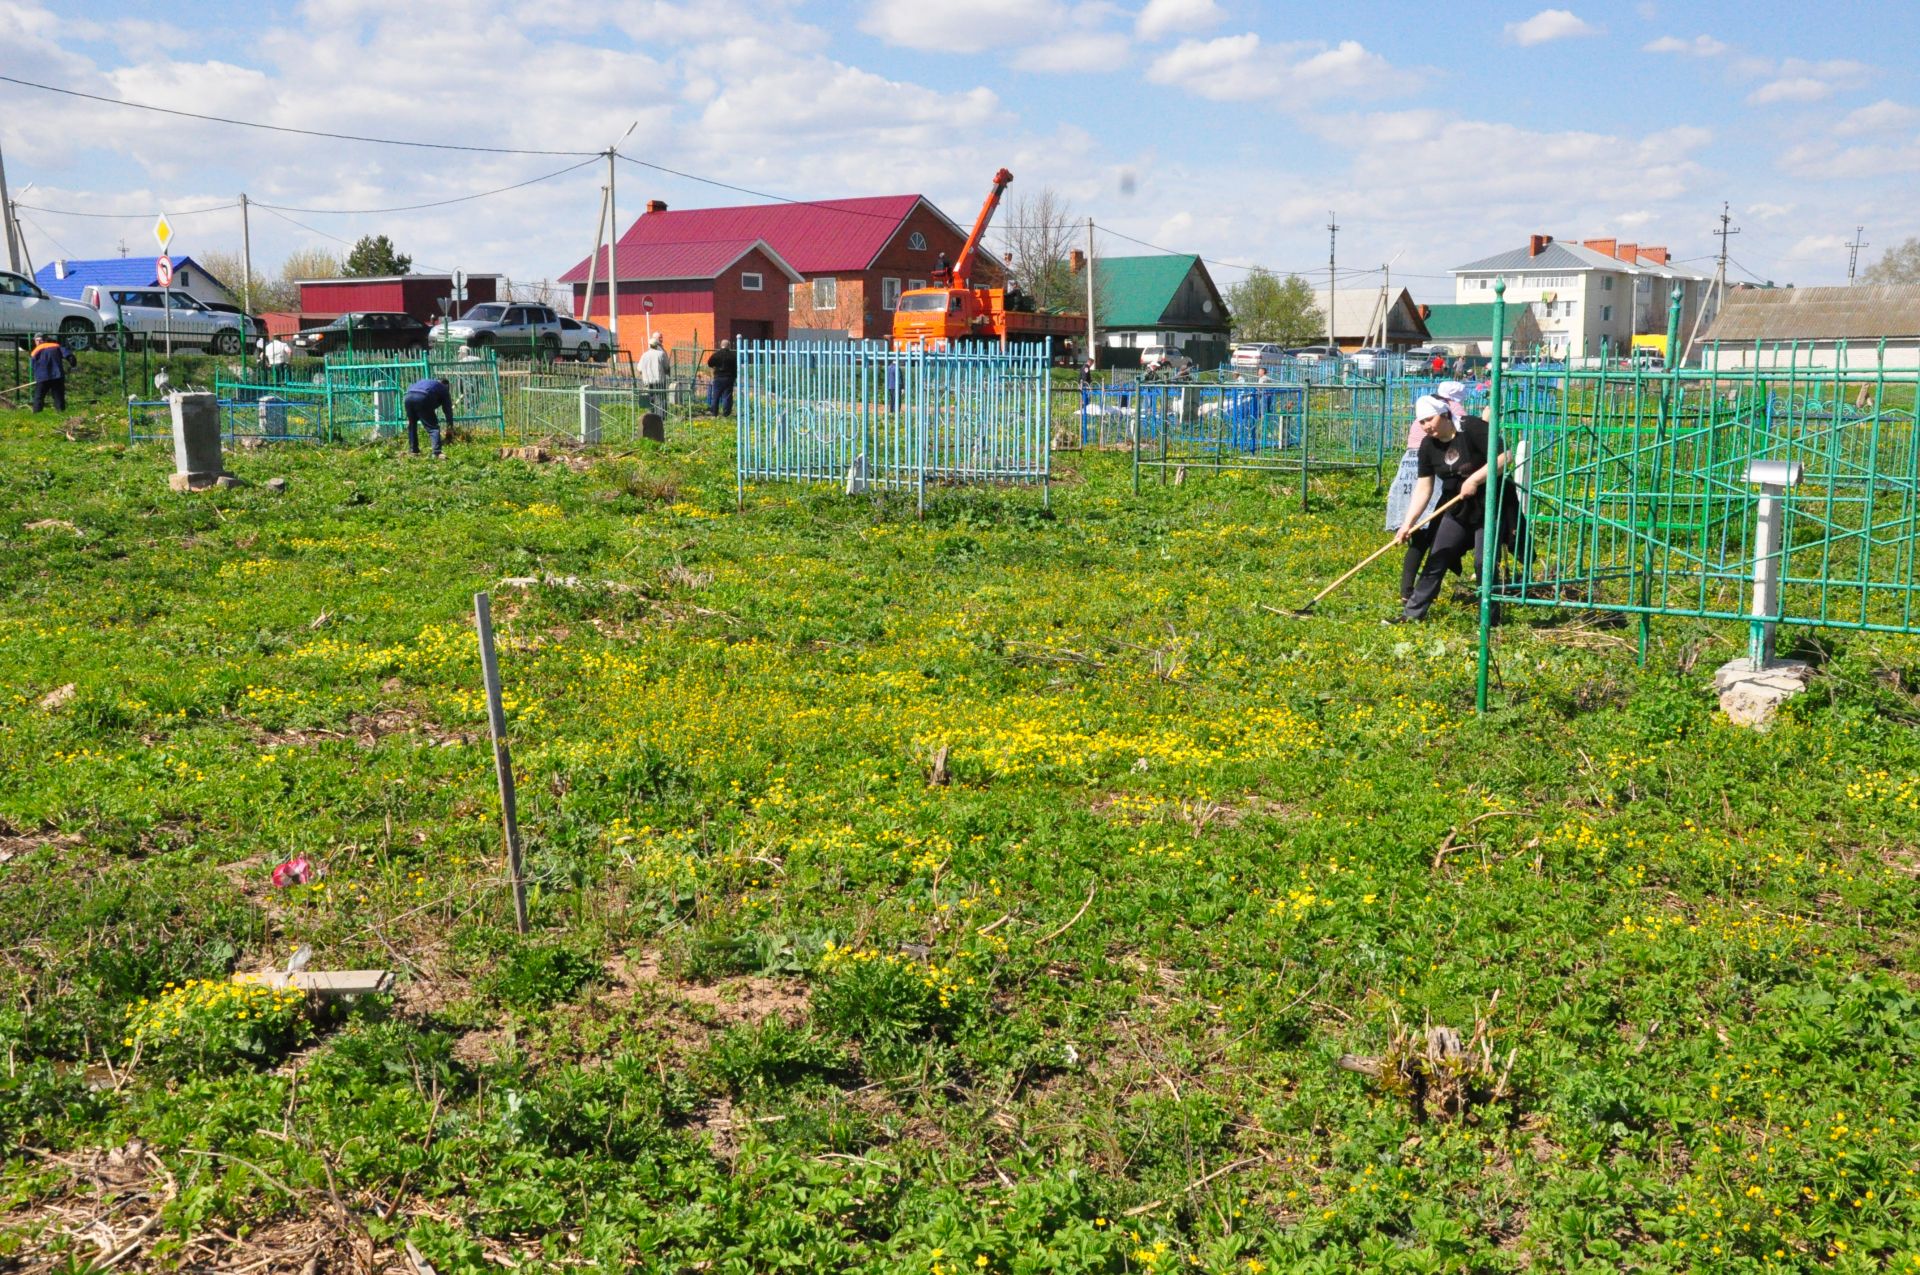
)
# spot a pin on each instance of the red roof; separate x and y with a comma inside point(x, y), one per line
point(679, 259)
point(828, 236)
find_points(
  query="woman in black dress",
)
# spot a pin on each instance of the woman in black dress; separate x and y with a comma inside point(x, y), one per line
point(1453, 454)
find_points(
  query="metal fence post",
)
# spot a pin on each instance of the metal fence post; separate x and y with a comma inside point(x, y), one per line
point(1490, 533)
point(502, 760)
point(1774, 478)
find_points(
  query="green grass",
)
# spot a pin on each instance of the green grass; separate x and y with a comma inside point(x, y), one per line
point(792, 1003)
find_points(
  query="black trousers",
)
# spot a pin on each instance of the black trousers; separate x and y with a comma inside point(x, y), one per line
point(1452, 540)
point(421, 412)
point(1417, 546)
point(56, 388)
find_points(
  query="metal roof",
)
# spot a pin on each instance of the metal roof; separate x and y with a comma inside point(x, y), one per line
point(1555, 256)
point(1136, 291)
point(1356, 313)
point(677, 260)
point(825, 236)
point(111, 272)
point(1863, 313)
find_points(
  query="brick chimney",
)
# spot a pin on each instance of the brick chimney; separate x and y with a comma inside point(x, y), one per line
point(1076, 261)
point(1536, 244)
point(1628, 252)
point(656, 205)
point(1604, 247)
point(1656, 253)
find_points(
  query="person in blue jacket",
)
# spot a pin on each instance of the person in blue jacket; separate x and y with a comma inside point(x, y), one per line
point(424, 398)
point(50, 363)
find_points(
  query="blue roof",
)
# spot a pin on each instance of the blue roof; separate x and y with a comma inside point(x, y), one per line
point(110, 272)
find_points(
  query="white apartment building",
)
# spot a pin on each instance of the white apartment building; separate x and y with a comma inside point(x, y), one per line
point(1587, 298)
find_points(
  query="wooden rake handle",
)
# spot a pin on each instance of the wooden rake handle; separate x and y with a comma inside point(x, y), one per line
point(1360, 566)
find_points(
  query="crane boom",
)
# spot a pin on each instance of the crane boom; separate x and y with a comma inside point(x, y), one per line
point(963, 268)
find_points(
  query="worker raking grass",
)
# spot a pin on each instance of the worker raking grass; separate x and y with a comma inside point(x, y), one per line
point(1454, 454)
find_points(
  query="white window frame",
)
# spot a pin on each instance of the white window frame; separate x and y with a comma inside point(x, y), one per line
point(917, 242)
point(752, 281)
point(793, 296)
point(889, 293)
point(832, 294)
point(914, 285)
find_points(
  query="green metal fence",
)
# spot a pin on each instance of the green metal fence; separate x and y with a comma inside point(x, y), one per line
point(1765, 496)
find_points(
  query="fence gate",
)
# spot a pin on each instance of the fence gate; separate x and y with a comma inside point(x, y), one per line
point(865, 414)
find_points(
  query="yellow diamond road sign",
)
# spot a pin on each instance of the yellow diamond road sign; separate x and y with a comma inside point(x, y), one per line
point(163, 231)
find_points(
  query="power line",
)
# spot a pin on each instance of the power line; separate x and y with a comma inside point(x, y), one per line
point(438, 203)
point(73, 212)
point(282, 128)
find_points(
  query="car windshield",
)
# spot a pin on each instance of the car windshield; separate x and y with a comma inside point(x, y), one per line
point(924, 301)
point(485, 314)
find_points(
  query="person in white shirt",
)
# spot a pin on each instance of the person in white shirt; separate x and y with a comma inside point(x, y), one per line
point(278, 354)
point(656, 367)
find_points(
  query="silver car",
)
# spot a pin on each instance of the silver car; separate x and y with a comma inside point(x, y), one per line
point(154, 315)
point(583, 339)
point(509, 327)
point(26, 311)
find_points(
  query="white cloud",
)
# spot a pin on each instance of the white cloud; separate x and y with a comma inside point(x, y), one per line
point(1701, 46)
point(1549, 24)
point(1884, 116)
point(959, 26)
point(1800, 88)
point(1162, 18)
point(1090, 51)
point(1234, 68)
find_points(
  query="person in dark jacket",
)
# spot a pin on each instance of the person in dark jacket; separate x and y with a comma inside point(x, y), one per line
point(726, 369)
point(424, 398)
point(1454, 454)
point(50, 363)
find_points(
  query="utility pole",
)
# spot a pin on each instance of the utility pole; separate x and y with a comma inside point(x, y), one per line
point(613, 244)
point(246, 257)
point(1853, 252)
point(1333, 238)
point(6, 215)
point(1716, 290)
point(1093, 348)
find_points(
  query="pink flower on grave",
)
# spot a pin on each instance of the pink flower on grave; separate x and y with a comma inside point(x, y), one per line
point(295, 871)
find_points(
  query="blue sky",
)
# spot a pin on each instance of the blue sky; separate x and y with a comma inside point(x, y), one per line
point(1228, 128)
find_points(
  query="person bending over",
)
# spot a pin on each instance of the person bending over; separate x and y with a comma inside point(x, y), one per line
point(1454, 455)
point(424, 398)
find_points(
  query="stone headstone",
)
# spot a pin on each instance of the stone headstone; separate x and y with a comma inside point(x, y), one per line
point(653, 427)
point(273, 417)
point(196, 441)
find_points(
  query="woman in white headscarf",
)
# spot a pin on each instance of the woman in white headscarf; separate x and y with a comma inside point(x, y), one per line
point(1400, 495)
point(1452, 456)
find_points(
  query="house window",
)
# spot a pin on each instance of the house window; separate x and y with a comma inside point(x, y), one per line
point(793, 296)
point(917, 241)
point(750, 281)
point(826, 293)
point(1606, 314)
point(1606, 282)
point(889, 293)
point(914, 285)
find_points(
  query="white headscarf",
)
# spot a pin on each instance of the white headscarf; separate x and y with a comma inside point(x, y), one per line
point(1431, 405)
point(1453, 393)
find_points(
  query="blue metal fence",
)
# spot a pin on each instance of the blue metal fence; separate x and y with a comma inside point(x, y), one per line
point(865, 414)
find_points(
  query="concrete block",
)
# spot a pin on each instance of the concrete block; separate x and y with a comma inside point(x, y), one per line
point(196, 434)
point(191, 482)
point(1752, 696)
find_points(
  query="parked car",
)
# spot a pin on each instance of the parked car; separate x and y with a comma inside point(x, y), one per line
point(154, 315)
point(27, 311)
point(583, 339)
point(364, 330)
point(1315, 353)
point(1372, 358)
point(507, 326)
point(1258, 356)
point(1420, 359)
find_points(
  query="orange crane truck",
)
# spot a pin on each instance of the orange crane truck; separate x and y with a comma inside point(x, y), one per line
point(954, 310)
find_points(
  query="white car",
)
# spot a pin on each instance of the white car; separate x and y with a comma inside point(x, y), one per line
point(154, 315)
point(26, 311)
point(1259, 356)
point(583, 339)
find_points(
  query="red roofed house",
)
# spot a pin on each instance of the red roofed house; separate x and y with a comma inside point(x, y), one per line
point(843, 263)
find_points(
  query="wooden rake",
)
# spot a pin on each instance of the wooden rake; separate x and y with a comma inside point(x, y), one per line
point(1360, 566)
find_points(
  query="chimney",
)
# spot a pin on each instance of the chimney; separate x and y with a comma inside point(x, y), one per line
point(1076, 261)
point(1628, 252)
point(60, 269)
point(1604, 247)
point(1656, 253)
point(1536, 244)
point(656, 205)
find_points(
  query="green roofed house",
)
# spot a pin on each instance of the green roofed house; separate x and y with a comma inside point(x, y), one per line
point(1167, 299)
point(1468, 329)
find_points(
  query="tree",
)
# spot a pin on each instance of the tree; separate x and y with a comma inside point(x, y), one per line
point(1266, 307)
point(1896, 265)
point(228, 268)
point(374, 256)
point(1040, 233)
point(302, 263)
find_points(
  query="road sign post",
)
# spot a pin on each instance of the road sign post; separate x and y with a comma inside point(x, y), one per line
point(163, 235)
point(646, 306)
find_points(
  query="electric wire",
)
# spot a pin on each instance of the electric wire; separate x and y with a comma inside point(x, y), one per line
point(438, 203)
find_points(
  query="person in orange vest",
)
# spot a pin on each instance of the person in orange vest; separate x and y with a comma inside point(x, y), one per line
point(50, 363)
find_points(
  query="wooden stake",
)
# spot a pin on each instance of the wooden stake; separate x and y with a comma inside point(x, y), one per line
point(502, 760)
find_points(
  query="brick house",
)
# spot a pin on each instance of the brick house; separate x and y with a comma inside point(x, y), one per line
point(849, 259)
point(689, 291)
